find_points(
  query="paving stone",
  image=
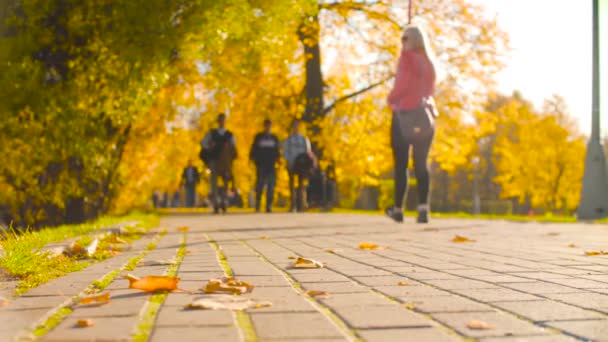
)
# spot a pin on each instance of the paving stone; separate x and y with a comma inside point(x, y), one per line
point(354, 299)
point(454, 284)
point(537, 338)
point(503, 324)
point(596, 330)
point(384, 280)
point(104, 329)
point(319, 277)
point(285, 326)
point(587, 300)
point(496, 295)
point(541, 288)
point(377, 317)
point(196, 334)
point(412, 334)
point(581, 283)
point(449, 303)
point(175, 316)
point(545, 310)
point(502, 278)
point(343, 287)
point(410, 291)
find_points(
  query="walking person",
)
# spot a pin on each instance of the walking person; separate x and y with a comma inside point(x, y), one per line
point(190, 178)
point(413, 120)
point(265, 154)
point(298, 155)
point(218, 152)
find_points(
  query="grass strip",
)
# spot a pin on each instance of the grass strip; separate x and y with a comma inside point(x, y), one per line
point(98, 285)
point(242, 318)
point(24, 260)
point(150, 310)
point(338, 322)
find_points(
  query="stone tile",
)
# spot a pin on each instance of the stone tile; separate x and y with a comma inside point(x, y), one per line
point(175, 316)
point(410, 291)
point(384, 280)
point(540, 275)
point(449, 303)
point(104, 329)
point(581, 283)
point(541, 288)
point(596, 330)
point(354, 299)
point(537, 338)
point(504, 325)
point(319, 277)
point(545, 310)
point(496, 295)
point(502, 278)
point(344, 287)
point(285, 326)
point(196, 334)
point(381, 317)
point(412, 334)
point(461, 284)
point(586, 300)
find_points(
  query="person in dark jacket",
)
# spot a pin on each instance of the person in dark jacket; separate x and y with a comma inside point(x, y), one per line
point(190, 179)
point(265, 154)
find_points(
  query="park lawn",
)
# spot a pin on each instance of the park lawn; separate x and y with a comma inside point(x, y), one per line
point(23, 260)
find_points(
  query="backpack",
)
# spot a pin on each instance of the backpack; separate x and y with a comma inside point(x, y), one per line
point(209, 154)
point(304, 165)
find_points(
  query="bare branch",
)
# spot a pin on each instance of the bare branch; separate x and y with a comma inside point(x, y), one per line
point(356, 93)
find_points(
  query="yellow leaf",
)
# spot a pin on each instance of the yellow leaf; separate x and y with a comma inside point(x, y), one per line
point(572, 245)
point(593, 253)
point(84, 323)
point(264, 237)
point(152, 283)
point(478, 325)
point(307, 263)
point(403, 283)
point(99, 299)
point(315, 293)
point(367, 245)
point(332, 251)
point(226, 302)
point(227, 285)
point(410, 306)
point(460, 239)
point(183, 229)
point(292, 257)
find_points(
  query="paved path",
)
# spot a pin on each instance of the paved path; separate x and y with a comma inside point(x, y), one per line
point(525, 280)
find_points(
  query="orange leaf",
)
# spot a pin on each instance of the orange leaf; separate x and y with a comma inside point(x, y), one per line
point(593, 253)
point(403, 283)
point(99, 299)
point(292, 257)
point(478, 325)
point(153, 283)
point(228, 285)
point(367, 245)
point(460, 239)
point(84, 323)
point(315, 293)
point(183, 229)
point(307, 263)
point(572, 245)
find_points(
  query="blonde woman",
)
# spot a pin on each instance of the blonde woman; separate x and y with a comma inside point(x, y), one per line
point(413, 120)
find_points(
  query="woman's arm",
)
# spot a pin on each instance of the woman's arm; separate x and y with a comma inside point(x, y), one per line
point(401, 79)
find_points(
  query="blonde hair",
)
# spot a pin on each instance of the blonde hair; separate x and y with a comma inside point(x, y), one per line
point(418, 40)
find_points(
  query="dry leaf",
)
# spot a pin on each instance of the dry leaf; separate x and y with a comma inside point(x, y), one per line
point(3, 302)
point(478, 325)
point(183, 229)
point(84, 323)
point(332, 251)
point(264, 237)
point(307, 263)
point(368, 245)
point(152, 283)
point(410, 306)
point(572, 245)
point(225, 302)
point(459, 239)
point(292, 257)
point(99, 299)
point(187, 251)
point(315, 293)
point(553, 234)
point(592, 253)
point(228, 285)
point(403, 283)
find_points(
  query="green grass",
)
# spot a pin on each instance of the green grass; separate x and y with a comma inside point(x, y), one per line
point(144, 327)
point(52, 321)
point(24, 260)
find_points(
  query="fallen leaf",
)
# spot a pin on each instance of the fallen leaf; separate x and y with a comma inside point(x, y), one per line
point(187, 251)
point(292, 257)
point(316, 293)
point(592, 253)
point(152, 283)
point(330, 251)
point(368, 245)
point(3, 302)
point(572, 245)
point(459, 239)
point(84, 323)
point(410, 306)
point(478, 325)
point(403, 283)
point(553, 234)
point(99, 299)
point(307, 263)
point(228, 285)
point(264, 237)
point(183, 229)
point(226, 302)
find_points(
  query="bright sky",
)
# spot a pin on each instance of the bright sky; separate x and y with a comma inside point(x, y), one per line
point(551, 51)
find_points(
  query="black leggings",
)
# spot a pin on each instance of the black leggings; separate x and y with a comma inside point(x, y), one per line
point(401, 156)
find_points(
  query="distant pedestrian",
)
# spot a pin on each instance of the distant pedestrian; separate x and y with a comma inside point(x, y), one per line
point(218, 152)
point(413, 121)
point(300, 162)
point(265, 154)
point(190, 178)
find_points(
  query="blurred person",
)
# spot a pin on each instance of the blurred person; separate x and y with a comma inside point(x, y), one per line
point(265, 154)
point(190, 178)
point(300, 163)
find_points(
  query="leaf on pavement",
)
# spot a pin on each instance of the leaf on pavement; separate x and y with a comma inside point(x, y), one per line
point(410, 306)
point(316, 293)
point(368, 245)
point(226, 302)
point(572, 245)
point(264, 237)
point(478, 325)
point(593, 253)
point(183, 229)
point(103, 298)
point(152, 283)
point(292, 257)
point(403, 283)
point(84, 323)
point(460, 239)
point(307, 263)
point(332, 251)
point(3, 302)
point(228, 285)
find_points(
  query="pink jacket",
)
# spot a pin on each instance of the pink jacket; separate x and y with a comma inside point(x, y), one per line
point(415, 80)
